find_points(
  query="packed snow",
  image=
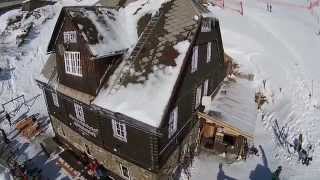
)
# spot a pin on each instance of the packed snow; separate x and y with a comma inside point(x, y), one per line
point(147, 94)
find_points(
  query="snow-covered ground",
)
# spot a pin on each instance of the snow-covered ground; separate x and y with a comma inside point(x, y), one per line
point(25, 63)
point(282, 48)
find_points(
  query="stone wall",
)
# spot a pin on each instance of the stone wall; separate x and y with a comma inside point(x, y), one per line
point(112, 162)
point(177, 157)
point(109, 160)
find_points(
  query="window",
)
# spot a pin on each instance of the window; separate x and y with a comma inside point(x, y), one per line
point(55, 99)
point(206, 26)
point(79, 111)
point(208, 52)
point(173, 122)
point(205, 87)
point(198, 96)
point(119, 130)
point(194, 63)
point(72, 63)
point(70, 37)
point(124, 171)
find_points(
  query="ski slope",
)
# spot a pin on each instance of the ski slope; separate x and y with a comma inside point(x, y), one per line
point(281, 47)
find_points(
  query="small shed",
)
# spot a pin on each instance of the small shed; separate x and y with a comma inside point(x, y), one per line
point(222, 137)
point(228, 121)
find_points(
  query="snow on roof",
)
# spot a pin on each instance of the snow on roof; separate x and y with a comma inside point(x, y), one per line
point(146, 102)
point(142, 86)
point(101, 27)
point(235, 107)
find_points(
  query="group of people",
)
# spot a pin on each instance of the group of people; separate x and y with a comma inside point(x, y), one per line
point(303, 154)
point(93, 168)
point(269, 7)
point(25, 171)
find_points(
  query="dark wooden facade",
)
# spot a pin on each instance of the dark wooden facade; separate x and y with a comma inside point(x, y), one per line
point(184, 96)
point(93, 70)
point(146, 146)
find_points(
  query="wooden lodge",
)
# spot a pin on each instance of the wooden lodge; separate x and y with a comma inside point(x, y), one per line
point(143, 133)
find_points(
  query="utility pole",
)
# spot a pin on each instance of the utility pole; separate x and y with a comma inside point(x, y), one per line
point(312, 87)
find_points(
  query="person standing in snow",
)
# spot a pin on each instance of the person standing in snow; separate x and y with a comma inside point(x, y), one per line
point(270, 7)
point(296, 144)
point(276, 174)
point(8, 117)
point(4, 136)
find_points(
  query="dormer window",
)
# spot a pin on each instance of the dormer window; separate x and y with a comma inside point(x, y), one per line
point(70, 37)
point(206, 26)
point(72, 63)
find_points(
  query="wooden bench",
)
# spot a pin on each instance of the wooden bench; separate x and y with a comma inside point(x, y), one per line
point(24, 123)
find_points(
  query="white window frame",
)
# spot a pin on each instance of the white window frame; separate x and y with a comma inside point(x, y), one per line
point(70, 37)
point(122, 172)
point(55, 99)
point(198, 96)
point(209, 45)
point(72, 63)
point(173, 122)
point(195, 56)
point(119, 130)
point(206, 26)
point(79, 111)
point(205, 87)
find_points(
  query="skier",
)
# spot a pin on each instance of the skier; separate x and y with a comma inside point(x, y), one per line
point(276, 174)
point(270, 7)
point(264, 83)
point(296, 145)
point(254, 150)
point(4, 136)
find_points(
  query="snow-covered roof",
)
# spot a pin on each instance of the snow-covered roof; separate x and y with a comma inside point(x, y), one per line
point(142, 86)
point(234, 104)
point(101, 28)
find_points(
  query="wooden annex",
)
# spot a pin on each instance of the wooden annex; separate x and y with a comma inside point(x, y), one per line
point(222, 137)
